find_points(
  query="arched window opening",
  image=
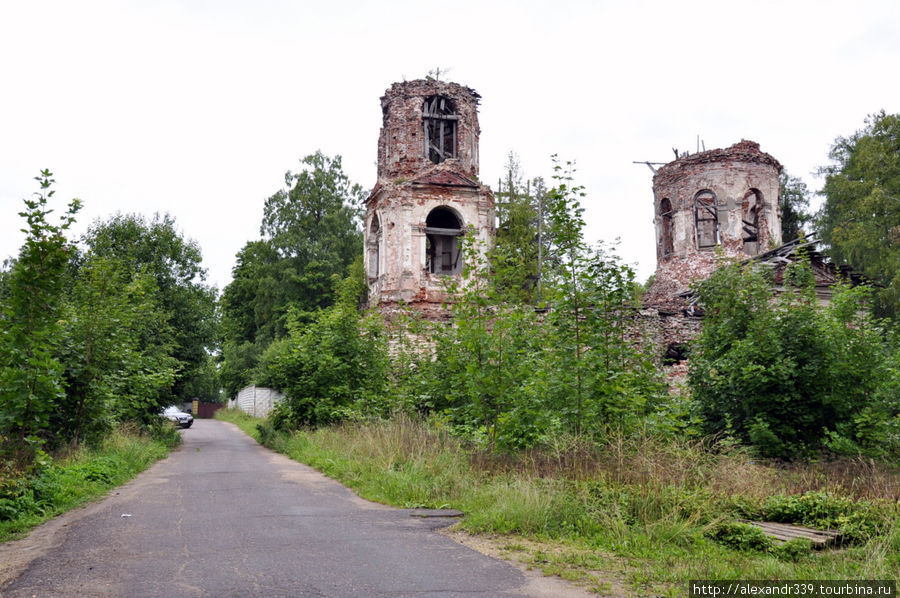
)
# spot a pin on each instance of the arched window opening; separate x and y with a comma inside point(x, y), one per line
point(439, 120)
point(374, 248)
point(665, 214)
point(442, 231)
point(750, 207)
point(706, 219)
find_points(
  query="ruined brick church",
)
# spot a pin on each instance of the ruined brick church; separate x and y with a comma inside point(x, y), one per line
point(721, 202)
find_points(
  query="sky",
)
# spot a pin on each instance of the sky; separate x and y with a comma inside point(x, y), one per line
point(197, 108)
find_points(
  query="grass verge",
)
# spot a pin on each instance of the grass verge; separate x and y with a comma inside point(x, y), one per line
point(78, 477)
point(639, 516)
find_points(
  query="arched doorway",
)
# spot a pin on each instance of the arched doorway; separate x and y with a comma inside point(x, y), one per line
point(442, 231)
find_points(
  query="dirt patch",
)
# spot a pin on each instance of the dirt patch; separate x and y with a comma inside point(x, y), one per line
point(552, 569)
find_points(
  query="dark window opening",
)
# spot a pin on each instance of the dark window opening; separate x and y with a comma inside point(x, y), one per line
point(750, 221)
point(442, 232)
point(706, 219)
point(676, 353)
point(439, 122)
point(665, 214)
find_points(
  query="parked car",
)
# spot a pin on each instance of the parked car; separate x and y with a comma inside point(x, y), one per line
point(178, 416)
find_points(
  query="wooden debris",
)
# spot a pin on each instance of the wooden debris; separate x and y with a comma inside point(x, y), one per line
point(785, 532)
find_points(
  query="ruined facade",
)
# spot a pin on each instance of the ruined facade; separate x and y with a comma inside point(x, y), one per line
point(427, 196)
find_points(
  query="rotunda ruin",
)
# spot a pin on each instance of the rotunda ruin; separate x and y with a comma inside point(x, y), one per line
point(721, 202)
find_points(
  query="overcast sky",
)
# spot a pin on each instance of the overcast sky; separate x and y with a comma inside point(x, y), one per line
point(197, 108)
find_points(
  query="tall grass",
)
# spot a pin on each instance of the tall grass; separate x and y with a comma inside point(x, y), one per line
point(723, 469)
point(77, 476)
point(653, 505)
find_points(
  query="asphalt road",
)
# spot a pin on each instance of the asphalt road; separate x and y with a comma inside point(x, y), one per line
point(222, 516)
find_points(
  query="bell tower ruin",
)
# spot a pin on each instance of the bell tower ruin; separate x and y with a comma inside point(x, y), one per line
point(427, 196)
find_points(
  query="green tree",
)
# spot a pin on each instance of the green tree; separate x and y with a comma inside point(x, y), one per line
point(566, 219)
point(253, 307)
point(254, 301)
point(860, 219)
point(485, 379)
point(312, 236)
point(237, 367)
point(522, 241)
point(157, 249)
point(333, 367)
point(109, 317)
point(204, 384)
point(788, 376)
point(601, 377)
point(512, 376)
point(793, 201)
point(314, 225)
point(30, 373)
point(5, 271)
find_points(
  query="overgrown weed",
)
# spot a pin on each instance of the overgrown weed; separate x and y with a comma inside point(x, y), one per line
point(723, 469)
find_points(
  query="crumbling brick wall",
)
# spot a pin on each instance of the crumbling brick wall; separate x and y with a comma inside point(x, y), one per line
point(401, 150)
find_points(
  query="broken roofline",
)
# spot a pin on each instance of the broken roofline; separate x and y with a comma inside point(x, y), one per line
point(743, 151)
point(427, 87)
point(781, 256)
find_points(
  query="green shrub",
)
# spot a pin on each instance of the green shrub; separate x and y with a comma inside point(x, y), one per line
point(793, 550)
point(269, 428)
point(789, 377)
point(101, 470)
point(742, 536)
point(333, 368)
point(16, 499)
point(164, 431)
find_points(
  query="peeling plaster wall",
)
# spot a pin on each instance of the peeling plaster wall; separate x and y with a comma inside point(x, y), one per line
point(410, 186)
point(401, 211)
